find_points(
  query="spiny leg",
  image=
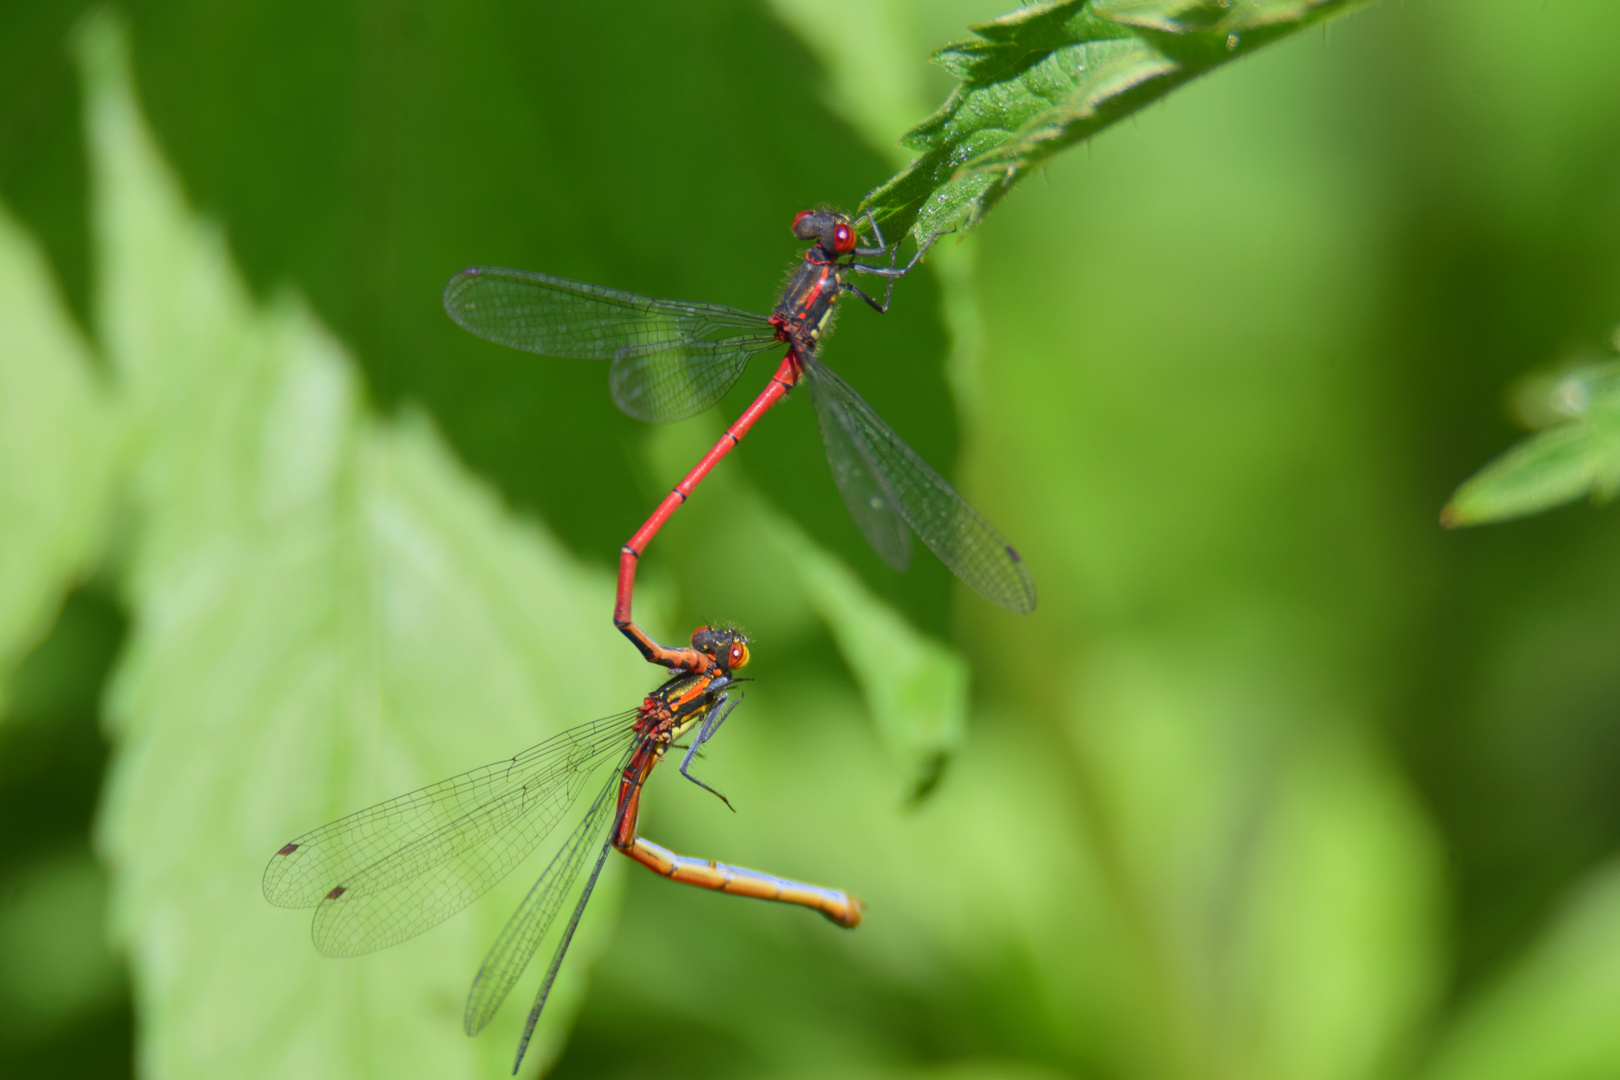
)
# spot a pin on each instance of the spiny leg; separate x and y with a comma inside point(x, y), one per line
point(711, 724)
point(891, 271)
point(882, 246)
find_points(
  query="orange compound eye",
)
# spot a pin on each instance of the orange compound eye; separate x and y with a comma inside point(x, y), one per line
point(843, 239)
point(738, 657)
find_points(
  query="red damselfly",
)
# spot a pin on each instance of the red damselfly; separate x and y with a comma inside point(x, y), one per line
point(380, 876)
point(674, 358)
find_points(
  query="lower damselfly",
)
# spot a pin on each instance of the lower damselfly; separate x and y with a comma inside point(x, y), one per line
point(382, 875)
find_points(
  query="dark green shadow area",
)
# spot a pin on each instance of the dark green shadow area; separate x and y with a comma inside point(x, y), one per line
point(52, 757)
point(42, 164)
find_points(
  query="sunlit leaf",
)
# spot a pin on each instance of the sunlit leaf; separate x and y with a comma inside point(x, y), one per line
point(1049, 75)
point(327, 611)
point(58, 437)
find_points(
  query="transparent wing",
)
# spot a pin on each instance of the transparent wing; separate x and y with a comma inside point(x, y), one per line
point(557, 959)
point(387, 873)
point(672, 383)
point(946, 522)
point(673, 358)
point(533, 919)
point(871, 508)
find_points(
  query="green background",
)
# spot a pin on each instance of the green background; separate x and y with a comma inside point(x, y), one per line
point(1280, 779)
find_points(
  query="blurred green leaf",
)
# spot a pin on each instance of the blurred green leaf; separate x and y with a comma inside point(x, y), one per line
point(58, 440)
point(1279, 887)
point(915, 687)
point(1580, 456)
point(328, 611)
point(1552, 1016)
point(1049, 75)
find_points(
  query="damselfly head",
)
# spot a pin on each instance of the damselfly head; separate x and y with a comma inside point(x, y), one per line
point(828, 228)
point(727, 645)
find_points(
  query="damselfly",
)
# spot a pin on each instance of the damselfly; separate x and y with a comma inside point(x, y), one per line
point(674, 358)
point(380, 876)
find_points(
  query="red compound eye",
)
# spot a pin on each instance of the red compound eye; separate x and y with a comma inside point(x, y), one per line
point(843, 239)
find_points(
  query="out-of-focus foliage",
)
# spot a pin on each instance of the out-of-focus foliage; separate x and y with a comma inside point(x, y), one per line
point(1553, 1015)
point(917, 688)
point(1282, 780)
point(1578, 453)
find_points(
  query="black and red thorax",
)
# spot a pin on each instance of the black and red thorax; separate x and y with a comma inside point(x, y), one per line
point(806, 307)
point(807, 304)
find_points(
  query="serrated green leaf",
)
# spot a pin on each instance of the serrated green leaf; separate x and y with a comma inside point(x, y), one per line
point(327, 611)
point(1047, 76)
point(58, 440)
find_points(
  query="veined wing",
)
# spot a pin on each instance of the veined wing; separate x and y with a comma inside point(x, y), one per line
point(874, 512)
point(672, 358)
point(558, 317)
point(946, 522)
point(665, 384)
point(530, 924)
point(387, 873)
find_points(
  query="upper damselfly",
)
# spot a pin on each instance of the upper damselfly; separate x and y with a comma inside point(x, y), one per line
point(674, 358)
